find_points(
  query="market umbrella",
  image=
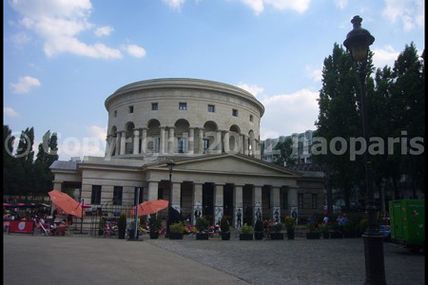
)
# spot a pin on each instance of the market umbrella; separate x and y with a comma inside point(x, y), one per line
point(150, 207)
point(66, 203)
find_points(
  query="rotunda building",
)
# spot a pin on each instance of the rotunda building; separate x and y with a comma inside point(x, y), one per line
point(179, 116)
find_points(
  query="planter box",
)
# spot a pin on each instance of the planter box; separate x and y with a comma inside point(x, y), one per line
point(258, 235)
point(225, 236)
point(154, 235)
point(313, 235)
point(276, 236)
point(336, 235)
point(202, 236)
point(325, 235)
point(245, 236)
point(175, 236)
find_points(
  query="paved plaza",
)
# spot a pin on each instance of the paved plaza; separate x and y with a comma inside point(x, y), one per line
point(86, 260)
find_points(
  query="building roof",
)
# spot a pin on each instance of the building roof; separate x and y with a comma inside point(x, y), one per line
point(64, 165)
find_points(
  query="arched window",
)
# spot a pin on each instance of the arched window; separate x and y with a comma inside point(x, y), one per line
point(234, 133)
point(153, 136)
point(182, 135)
point(210, 129)
point(129, 137)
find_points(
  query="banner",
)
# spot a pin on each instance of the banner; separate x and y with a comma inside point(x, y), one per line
point(26, 227)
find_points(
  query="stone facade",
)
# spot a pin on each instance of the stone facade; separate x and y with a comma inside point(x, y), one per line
point(226, 180)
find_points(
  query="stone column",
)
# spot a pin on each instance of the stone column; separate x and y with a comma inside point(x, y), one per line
point(122, 143)
point(109, 146)
point(238, 216)
point(136, 142)
point(201, 140)
point(153, 190)
point(245, 138)
point(191, 142)
point(218, 142)
point(292, 202)
point(197, 202)
point(144, 141)
point(257, 200)
point(241, 144)
point(253, 147)
point(226, 142)
point(117, 146)
point(275, 204)
point(218, 203)
point(162, 140)
point(176, 196)
point(171, 141)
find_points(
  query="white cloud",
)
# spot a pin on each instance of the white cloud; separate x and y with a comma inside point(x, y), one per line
point(20, 38)
point(10, 112)
point(289, 113)
point(25, 84)
point(258, 6)
point(103, 31)
point(175, 4)
point(409, 12)
point(314, 73)
point(98, 132)
point(253, 89)
point(135, 50)
point(60, 25)
point(385, 56)
point(341, 4)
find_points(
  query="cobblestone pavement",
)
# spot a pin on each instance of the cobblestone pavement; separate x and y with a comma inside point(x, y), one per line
point(300, 261)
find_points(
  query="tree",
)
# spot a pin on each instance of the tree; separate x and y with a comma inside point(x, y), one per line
point(46, 155)
point(285, 149)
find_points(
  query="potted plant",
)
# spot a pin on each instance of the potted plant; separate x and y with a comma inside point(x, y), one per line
point(314, 232)
point(176, 231)
point(290, 225)
point(258, 230)
point(121, 225)
point(225, 229)
point(324, 230)
point(246, 232)
point(275, 232)
point(155, 226)
point(202, 225)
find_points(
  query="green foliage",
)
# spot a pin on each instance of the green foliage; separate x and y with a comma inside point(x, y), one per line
point(323, 228)
point(177, 228)
point(276, 228)
point(154, 224)
point(202, 224)
point(258, 227)
point(290, 223)
point(224, 225)
point(247, 229)
point(285, 149)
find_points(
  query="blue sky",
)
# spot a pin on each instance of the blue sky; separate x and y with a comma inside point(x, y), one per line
point(62, 58)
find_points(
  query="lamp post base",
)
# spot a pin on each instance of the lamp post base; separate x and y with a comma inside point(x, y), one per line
point(373, 251)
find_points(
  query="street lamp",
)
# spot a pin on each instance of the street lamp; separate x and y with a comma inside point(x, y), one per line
point(357, 43)
point(170, 165)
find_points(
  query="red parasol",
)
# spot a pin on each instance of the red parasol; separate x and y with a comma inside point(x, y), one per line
point(150, 207)
point(66, 203)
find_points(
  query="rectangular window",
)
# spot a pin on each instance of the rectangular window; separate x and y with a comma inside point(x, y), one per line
point(300, 200)
point(115, 113)
point(140, 194)
point(314, 201)
point(206, 144)
point(117, 195)
point(211, 108)
point(235, 112)
point(96, 195)
point(131, 109)
point(182, 106)
point(182, 145)
point(251, 118)
point(155, 106)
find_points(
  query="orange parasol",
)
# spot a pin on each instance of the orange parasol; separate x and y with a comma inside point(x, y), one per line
point(150, 207)
point(66, 203)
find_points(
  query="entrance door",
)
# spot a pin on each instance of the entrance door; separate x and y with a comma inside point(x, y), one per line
point(208, 201)
point(228, 202)
point(247, 193)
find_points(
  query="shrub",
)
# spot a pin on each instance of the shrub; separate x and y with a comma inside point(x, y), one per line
point(313, 228)
point(258, 227)
point(323, 228)
point(224, 225)
point(362, 226)
point(154, 224)
point(177, 228)
point(202, 224)
point(290, 223)
point(276, 228)
point(246, 229)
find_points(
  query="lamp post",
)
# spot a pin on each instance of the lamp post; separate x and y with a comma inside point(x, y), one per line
point(357, 43)
point(170, 165)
